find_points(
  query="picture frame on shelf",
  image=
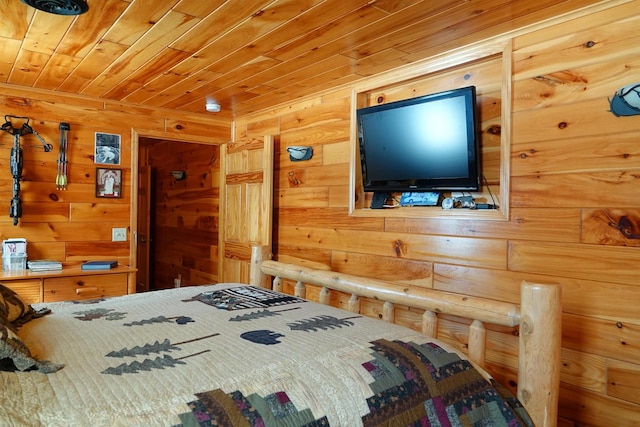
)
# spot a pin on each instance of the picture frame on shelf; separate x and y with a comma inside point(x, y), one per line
point(109, 183)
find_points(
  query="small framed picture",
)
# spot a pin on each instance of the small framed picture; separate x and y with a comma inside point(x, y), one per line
point(108, 182)
point(107, 148)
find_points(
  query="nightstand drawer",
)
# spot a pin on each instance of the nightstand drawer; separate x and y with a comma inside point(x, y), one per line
point(84, 287)
point(29, 290)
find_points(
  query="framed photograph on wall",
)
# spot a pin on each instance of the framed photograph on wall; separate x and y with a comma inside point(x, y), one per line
point(107, 148)
point(108, 182)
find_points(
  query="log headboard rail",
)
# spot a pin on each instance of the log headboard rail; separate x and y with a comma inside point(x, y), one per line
point(538, 317)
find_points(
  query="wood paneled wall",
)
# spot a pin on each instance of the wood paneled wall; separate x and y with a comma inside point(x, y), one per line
point(73, 225)
point(185, 213)
point(574, 176)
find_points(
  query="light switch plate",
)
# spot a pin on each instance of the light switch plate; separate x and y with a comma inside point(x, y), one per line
point(118, 234)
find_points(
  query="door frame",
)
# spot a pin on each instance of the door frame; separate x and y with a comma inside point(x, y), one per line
point(136, 134)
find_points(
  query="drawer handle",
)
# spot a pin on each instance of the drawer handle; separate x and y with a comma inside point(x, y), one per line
point(93, 290)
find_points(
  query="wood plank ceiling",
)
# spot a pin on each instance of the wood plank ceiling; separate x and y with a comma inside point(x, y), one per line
point(247, 55)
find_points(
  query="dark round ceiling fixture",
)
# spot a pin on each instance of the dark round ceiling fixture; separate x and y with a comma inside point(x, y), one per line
point(59, 7)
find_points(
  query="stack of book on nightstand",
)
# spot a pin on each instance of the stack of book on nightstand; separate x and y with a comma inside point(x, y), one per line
point(44, 265)
point(99, 265)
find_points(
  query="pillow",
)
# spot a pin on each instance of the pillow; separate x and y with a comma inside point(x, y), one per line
point(12, 307)
point(14, 310)
point(15, 355)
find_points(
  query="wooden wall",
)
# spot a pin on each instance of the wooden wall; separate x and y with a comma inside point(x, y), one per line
point(574, 175)
point(73, 225)
point(185, 213)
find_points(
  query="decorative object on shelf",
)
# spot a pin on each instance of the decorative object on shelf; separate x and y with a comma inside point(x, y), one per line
point(626, 101)
point(14, 254)
point(107, 149)
point(421, 198)
point(462, 200)
point(59, 7)
point(298, 153)
point(15, 211)
point(108, 182)
point(61, 177)
point(179, 175)
point(447, 203)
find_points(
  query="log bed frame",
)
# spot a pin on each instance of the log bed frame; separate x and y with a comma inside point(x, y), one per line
point(538, 316)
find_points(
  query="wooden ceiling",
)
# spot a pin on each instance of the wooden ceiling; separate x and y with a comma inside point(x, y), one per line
point(247, 55)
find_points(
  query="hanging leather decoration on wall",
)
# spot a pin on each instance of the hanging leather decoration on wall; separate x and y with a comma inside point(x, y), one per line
point(626, 101)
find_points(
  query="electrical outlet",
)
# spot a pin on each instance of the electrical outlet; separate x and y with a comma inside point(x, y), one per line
point(118, 234)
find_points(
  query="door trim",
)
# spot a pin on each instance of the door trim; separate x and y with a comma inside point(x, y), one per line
point(136, 134)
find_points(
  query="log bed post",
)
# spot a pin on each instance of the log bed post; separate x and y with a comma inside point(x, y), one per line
point(429, 324)
point(325, 296)
point(300, 290)
point(354, 304)
point(388, 312)
point(256, 276)
point(477, 343)
point(277, 284)
point(539, 352)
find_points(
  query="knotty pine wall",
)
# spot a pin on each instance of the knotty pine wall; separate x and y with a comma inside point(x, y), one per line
point(574, 175)
point(73, 225)
point(184, 213)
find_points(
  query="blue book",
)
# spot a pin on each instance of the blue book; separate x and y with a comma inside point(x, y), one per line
point(99, 265)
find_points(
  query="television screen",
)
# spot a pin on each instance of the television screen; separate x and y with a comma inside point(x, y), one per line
point(428, 143)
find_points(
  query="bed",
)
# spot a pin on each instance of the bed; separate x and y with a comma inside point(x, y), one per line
point(250, 355)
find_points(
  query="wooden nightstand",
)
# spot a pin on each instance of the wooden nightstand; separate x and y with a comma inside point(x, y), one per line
point(70, 283)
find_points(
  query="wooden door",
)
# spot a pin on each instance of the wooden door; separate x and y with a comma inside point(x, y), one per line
point(246, 204)
point(143, 237)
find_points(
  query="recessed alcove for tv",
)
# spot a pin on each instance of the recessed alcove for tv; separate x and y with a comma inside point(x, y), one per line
point(489, 74)
point(429, 143)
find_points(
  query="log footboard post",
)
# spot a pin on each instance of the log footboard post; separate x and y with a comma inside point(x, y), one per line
point(388, 312)
point(539, 353)
point(300, 290)
point(354, 304)
point(325, 296)
point(477, 342)
point(256, 276)
point(430, 324)
point(277, 284)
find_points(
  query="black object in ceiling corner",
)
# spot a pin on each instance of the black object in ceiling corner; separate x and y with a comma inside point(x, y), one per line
point(59, 7)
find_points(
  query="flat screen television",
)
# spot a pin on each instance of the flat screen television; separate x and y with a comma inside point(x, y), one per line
point(428, 143)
